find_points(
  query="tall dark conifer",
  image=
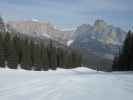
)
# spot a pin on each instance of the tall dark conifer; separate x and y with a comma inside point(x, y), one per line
point(2, 58)
point(6, 43)
point(37, 58)
point(125, 58)
point(44, 58)
point(26, 62)
point(12, 59)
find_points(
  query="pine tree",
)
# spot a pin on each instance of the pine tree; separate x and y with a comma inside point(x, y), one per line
point(60, 58)
point(12, 59)
point(2, 58)
point(124, 60)
point(51, 56)
point(32, 47)
point(26, 62)
point(18, 47)
point(131, 60)
point(37, 58)
point(6, 43)
point(44, 58)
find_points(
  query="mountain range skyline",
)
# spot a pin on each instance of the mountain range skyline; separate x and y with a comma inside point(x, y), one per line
point(68, 14)
point(34, 20)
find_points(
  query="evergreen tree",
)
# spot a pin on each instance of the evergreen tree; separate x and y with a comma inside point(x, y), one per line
point(2, 58)
point(60, 58)
point(37, 58)
point(32, 47)
point(12, 59)
point(131, 55)
point(6, 43)
point(18, 47)
point(125, 58)
point(51, 56)
point(26, 62)
point(44, 58)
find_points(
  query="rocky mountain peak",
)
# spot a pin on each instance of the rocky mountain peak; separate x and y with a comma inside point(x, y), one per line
point(102, 32)
point(99, 22)
point(100, 25)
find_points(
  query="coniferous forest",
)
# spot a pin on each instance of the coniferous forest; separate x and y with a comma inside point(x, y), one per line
point(32, 55)
point(124, 60)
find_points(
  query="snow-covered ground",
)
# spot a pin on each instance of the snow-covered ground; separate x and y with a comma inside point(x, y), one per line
point(72, 84)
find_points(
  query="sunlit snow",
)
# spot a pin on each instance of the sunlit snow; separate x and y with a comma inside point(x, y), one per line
point(72, 84)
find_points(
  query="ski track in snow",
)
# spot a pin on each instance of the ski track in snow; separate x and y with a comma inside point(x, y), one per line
point(72, 84)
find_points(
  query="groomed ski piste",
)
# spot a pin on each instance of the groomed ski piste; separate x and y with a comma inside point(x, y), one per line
point(65, 84)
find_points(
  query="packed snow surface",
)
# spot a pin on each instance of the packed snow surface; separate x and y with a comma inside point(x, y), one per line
point(72, 84)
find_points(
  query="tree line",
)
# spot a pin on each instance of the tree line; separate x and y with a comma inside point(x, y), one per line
point(32, 55)
point(124, 60)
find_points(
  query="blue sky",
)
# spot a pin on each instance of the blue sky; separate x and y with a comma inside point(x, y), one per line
point(68, 14)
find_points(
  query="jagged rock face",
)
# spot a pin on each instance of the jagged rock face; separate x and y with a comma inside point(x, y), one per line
point(101, 39)
point(102, 32)
point(40, 29)
point(30, 27)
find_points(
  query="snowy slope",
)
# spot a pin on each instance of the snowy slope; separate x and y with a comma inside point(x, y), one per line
point(71, 84)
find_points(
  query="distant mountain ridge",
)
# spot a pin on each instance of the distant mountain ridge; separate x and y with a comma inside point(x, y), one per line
point(40, 29)
point(100, 31)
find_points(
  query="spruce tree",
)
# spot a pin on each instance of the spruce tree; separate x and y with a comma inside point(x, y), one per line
point(37, 58)
point(18, 47)
point(60, 57)
point(12, 59)
point(2, 58)
point(44, 58)
point(124, 60)
point(26, 62)
point(51, 56)
point(6, 43)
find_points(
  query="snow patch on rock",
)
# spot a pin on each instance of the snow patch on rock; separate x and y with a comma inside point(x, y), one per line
point(46, 35)
point(70, 42)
